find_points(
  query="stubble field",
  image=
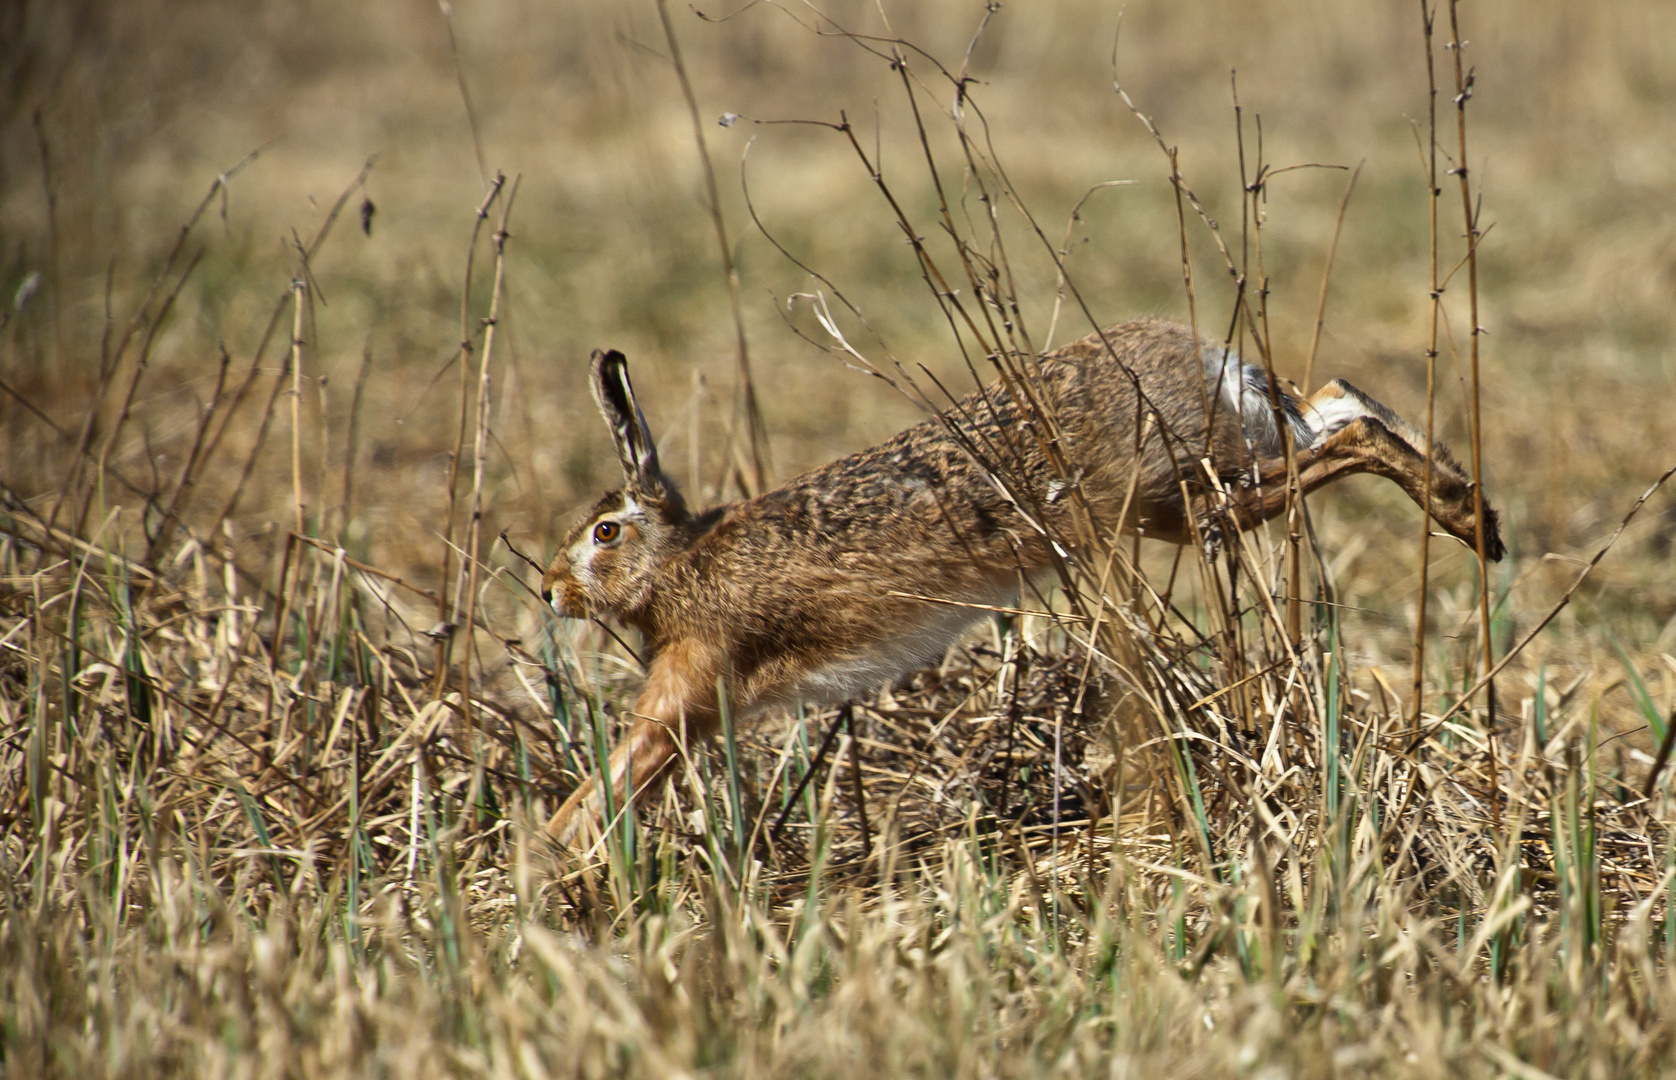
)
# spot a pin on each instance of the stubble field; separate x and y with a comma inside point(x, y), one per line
point(298, 304)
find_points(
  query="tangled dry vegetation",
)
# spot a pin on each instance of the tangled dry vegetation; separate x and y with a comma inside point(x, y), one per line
point(280, 718)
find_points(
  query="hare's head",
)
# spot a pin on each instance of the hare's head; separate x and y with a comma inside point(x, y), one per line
point(610, 560)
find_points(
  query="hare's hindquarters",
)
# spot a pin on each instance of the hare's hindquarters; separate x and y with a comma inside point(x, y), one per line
point(1152, 408)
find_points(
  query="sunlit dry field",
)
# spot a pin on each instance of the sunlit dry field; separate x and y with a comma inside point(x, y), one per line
point(298, 302)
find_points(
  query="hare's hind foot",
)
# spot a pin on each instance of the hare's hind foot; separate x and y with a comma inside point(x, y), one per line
point(1367, 443)
point(1361, 428)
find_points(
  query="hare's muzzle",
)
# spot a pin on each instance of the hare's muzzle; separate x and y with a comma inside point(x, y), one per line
point(563, 594)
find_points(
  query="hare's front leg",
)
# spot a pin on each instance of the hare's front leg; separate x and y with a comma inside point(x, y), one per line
point(678, 703)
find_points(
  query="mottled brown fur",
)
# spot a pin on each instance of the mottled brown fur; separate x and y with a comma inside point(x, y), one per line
point(797, 593)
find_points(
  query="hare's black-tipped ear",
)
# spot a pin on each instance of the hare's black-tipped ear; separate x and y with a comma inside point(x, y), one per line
point(637, 451)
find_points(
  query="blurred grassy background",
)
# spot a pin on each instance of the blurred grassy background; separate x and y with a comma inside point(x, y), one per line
point(140, 105)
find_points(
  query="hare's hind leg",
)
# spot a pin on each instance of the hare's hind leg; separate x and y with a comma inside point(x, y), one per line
point(677, 703)
point(1358, 434)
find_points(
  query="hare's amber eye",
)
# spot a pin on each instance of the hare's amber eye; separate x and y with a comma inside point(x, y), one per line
point(606, 531)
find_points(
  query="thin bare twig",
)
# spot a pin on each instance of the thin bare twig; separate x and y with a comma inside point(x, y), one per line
point(480, 448)
point(1559, 606)
point(443, 632)
point(1428, 16)
point(465, 93)
point(1326, 277)
point(1463, 94)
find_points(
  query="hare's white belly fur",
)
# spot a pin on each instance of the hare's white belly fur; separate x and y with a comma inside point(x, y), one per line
point(921, 645)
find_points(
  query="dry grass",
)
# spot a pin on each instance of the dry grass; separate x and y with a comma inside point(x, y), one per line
point(276, 712)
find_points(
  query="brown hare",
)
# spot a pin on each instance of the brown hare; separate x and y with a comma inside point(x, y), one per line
point(806, 593)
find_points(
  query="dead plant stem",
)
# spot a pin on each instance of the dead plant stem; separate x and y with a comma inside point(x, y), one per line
point(443, 630)
point(1463, 94)
point(299, 288)
point(480, 452)
point(1428, 16)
